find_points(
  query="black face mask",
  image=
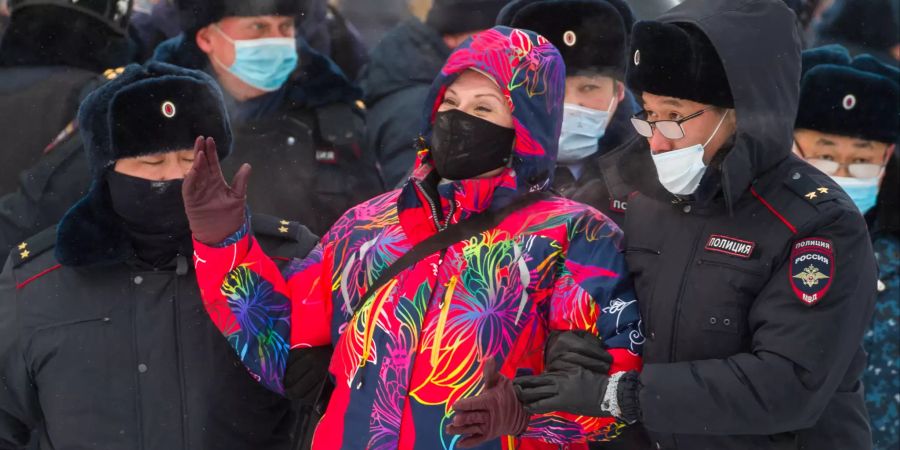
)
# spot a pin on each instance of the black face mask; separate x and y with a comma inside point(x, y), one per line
point(464, 146)
point(153, 214)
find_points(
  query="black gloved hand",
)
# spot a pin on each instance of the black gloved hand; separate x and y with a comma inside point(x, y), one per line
point(574, 390)
point(576, 348)
point(214, 209)
point(306, 371)
point(582, 392)
point(494, 413)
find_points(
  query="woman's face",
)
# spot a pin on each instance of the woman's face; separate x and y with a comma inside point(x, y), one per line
point(475, 94)
point(158, 166)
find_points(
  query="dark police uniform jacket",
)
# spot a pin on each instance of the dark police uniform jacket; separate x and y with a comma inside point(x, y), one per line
point(755, 292)
point(124, 356)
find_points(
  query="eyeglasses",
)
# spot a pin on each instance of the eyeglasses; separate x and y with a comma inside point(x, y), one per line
point(856, 170)
point(670, 129)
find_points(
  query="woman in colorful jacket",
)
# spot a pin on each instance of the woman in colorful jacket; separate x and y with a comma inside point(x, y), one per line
point(435, 334)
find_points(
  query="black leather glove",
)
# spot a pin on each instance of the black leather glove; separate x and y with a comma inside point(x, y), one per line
point(306, 371)
point(576, 348)
point(582, 392)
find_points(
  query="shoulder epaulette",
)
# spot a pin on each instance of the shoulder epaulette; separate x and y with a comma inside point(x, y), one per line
point(810, 189)
point(270, 226)
point(33, 247)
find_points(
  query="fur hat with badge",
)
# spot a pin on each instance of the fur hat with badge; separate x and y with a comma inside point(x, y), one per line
point(858, 97)
point(450, 17)
point(591, 35)
point(196, 14)
point(677, 60)
point(149, 109)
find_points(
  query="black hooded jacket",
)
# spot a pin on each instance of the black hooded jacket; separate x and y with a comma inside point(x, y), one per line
point(395, 83)
point(122, 355)
point(756, 291)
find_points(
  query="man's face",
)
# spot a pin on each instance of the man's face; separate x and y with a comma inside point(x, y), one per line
point(242, 28)
point(697, 130)
point(825, 151)
point(216, 41)
point(157, 167)
point(596, 92)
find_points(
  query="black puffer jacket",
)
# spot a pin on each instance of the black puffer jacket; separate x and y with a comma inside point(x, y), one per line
point(395, 83)
point(124, 356)
point(754, 292)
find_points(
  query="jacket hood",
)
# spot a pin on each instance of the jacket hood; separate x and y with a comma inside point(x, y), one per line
point(759, 46)
point(316, 82)
point(409, 55)
point(531, 74)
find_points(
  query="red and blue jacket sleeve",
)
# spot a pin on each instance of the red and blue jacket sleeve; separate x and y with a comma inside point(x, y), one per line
point(593, 292)
point(250, 300)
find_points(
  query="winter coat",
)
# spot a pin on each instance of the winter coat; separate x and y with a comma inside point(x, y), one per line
point(46, 191)
point(303, 141)
point(327, 31)
point(123, 356)
point(396, 83)
point(404, 355)
point(755, 291)
point(36, 104)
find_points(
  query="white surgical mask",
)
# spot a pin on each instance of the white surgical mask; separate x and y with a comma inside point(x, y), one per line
point(582, 128)
point(681, 170)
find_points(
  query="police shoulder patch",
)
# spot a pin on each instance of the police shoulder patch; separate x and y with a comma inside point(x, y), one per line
point(812, 269)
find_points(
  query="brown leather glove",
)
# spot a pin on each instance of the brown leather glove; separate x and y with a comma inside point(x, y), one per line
point(496, 412)
point(214, 210)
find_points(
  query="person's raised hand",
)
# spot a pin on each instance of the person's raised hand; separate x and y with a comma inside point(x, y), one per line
point(214, 209)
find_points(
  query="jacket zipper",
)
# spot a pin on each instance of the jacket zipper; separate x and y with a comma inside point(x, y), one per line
point(180, 354)
point(684, 277)
point(442, 320)
point(73, 322)
point(434, 210)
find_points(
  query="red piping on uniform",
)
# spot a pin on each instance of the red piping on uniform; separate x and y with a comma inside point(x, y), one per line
point(281, 258)
point(779, 216)
point(45, 272)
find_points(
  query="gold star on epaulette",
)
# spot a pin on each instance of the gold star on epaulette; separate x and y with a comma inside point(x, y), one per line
point(284, 222)
point(24, 254)
point(23, 246)
point(823, 190)
point(811, 195)
point(283, 229)
point(361, 105)
point(112, 74)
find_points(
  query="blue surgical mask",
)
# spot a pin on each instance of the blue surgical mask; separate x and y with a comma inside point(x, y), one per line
point(863, 191)
point(265, 63)
point(582, 129)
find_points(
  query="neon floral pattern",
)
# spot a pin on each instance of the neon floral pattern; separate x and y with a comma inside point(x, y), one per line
point(404, 354)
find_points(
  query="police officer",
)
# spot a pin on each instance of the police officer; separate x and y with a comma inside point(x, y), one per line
point(847, 128)
point(592, 36)
point(754, 272)
point(52, 54)
point(104, 341)
point(296, 116)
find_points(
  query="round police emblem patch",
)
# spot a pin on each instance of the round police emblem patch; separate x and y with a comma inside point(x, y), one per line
point(168, 109)
point(570, 38)
point(812, 269)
